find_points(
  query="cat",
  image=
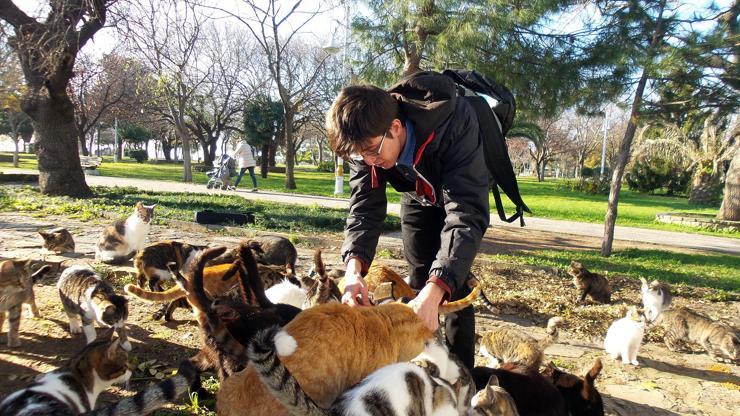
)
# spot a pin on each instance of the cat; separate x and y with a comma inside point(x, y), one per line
point(16, 288)
point(580, 394)
point(434, 383)
point(656, 297)
point(58, 240)
point(267, 249)
point(532, 393)
point(88, 298)
point(151, 262)
point(227, 324)
point(218, 280)
point(119, 242)
point(287, 293)
point(624, 336)
point(74, 388)
point(682, 326)
point(320, 289)
point(378, 274)
point(492, 400)
point(508, 345)
point(353, 343)
point(592, 284)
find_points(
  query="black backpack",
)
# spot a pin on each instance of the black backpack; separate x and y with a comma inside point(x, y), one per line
point(495, 120)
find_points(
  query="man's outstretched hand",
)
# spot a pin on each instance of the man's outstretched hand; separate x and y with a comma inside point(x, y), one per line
point(426, 305)
point(355, 290)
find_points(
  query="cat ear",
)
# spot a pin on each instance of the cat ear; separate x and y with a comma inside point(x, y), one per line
point(654, 283)
point(7, 267)
point(150, 206)
point(492, 381)
point(45, 235)
point(113, 348)
point(644, 282)
point(594, 372)
point(139, 205)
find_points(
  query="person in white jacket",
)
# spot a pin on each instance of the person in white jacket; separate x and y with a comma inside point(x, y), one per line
point(245, 160)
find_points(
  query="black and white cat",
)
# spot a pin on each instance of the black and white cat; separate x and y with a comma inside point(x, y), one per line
point(656, 297)
point(89, 299)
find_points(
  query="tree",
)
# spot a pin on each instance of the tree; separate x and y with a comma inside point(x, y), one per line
point(47, 50)
point(275, 31)
point(262, 120)
point(730, 208)
point(167, 36)
point(548, 138)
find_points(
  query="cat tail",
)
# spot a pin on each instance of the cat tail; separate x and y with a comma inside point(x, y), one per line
point(114, 259)
point(318, 264)
point(175, 292)
point(154, 397)
point(263, 356)
point(40, 273)
point(458, 305)
point(553, 331)
point(251, 283)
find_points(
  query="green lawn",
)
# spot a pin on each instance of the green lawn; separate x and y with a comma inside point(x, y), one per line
point(636, 210)
point(716, 271)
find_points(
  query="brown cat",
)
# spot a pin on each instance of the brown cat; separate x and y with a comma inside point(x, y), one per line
point(58, 240)
point(580, 394)
point(684, 326)
point(592, 284)
point(508, 345)
point(321, 289)
point(16, 288)
point(218, 280)
point(354, 342)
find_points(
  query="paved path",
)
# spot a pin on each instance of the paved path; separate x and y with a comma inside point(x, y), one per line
point(640, 235)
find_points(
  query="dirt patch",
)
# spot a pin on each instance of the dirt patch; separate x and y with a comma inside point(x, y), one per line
point(666, 383)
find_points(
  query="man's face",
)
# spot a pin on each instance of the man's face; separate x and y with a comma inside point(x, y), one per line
point(383, 151)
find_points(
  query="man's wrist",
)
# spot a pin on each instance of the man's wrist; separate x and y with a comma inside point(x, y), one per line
point(441, 285)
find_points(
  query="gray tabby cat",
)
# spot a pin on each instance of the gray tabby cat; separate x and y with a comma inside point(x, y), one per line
point(16, 288)
point(508, 345)
point(684, 326)
point(74, 388)
point(493, 400)
point(89, 298)
point(434, 384)
point(120, 241)
point(58, 240)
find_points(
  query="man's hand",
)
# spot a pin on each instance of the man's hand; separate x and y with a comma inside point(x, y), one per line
point(426, 305)
point(354, 285)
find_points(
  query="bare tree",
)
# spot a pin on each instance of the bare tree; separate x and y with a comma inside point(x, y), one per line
point(586, 139)
point(167, 35)
point(275, 29)
point(47, 50)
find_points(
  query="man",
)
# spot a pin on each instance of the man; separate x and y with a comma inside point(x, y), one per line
point(421, 139)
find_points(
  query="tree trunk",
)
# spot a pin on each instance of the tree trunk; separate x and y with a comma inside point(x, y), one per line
point(60, 172)
point(272, 155)
point(705, 187)
point(166, 150)
point(119, 149)
point(289, 152)
point(321, 151)
point(730, 208)
point(265, 159)
point(15, 152)
point(83, 144)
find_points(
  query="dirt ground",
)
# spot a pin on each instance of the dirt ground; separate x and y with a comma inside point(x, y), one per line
point(665, 383)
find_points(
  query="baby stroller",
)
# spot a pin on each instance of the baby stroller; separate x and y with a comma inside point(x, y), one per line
point(220, 176)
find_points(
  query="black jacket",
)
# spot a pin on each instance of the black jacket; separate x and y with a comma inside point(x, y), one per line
point(452, 161)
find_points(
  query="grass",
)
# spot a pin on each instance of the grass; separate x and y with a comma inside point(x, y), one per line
point(543, 198)
point(701, 270)
point(170, 205)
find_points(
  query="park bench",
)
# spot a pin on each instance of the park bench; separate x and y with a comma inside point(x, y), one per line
point(90, 163)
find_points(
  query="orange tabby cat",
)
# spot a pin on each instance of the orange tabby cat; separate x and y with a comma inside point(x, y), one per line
point(331, 347)
point(378, 274)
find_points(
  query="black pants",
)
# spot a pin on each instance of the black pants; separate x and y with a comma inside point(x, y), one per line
point(420, 229)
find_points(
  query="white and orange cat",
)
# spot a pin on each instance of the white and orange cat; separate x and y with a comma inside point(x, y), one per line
point(354, 342)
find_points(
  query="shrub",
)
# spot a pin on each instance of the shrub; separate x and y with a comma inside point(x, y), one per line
point(325, 166)
point(588, 172)
point(650, 175)
point(591, 186)
point(138, 155)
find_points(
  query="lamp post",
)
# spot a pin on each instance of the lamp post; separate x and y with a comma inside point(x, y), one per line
point(331, 49)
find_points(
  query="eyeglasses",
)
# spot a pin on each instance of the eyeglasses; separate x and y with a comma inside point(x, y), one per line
point(374, 153)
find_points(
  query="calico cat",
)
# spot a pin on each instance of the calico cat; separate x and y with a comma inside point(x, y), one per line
point(684, 326)
point(432, 384)
point(120, 241)
point(580, 394)
point(656, 297)
point(58, 240)
point(492, 400)
point(624, 336)
point(592, 284)
point(88, 298)
point(532, 393)
point(218, 280)
point(508, 345)
point(74, 388)
point(354, 342)
point(16, 288)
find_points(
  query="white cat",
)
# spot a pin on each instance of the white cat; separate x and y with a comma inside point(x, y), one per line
point(656, 297)
point(625, 336)
point(120, 242)
point(287, 293)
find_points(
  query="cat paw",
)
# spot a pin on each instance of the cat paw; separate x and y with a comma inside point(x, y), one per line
point(75, 330)
point(635, 363)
